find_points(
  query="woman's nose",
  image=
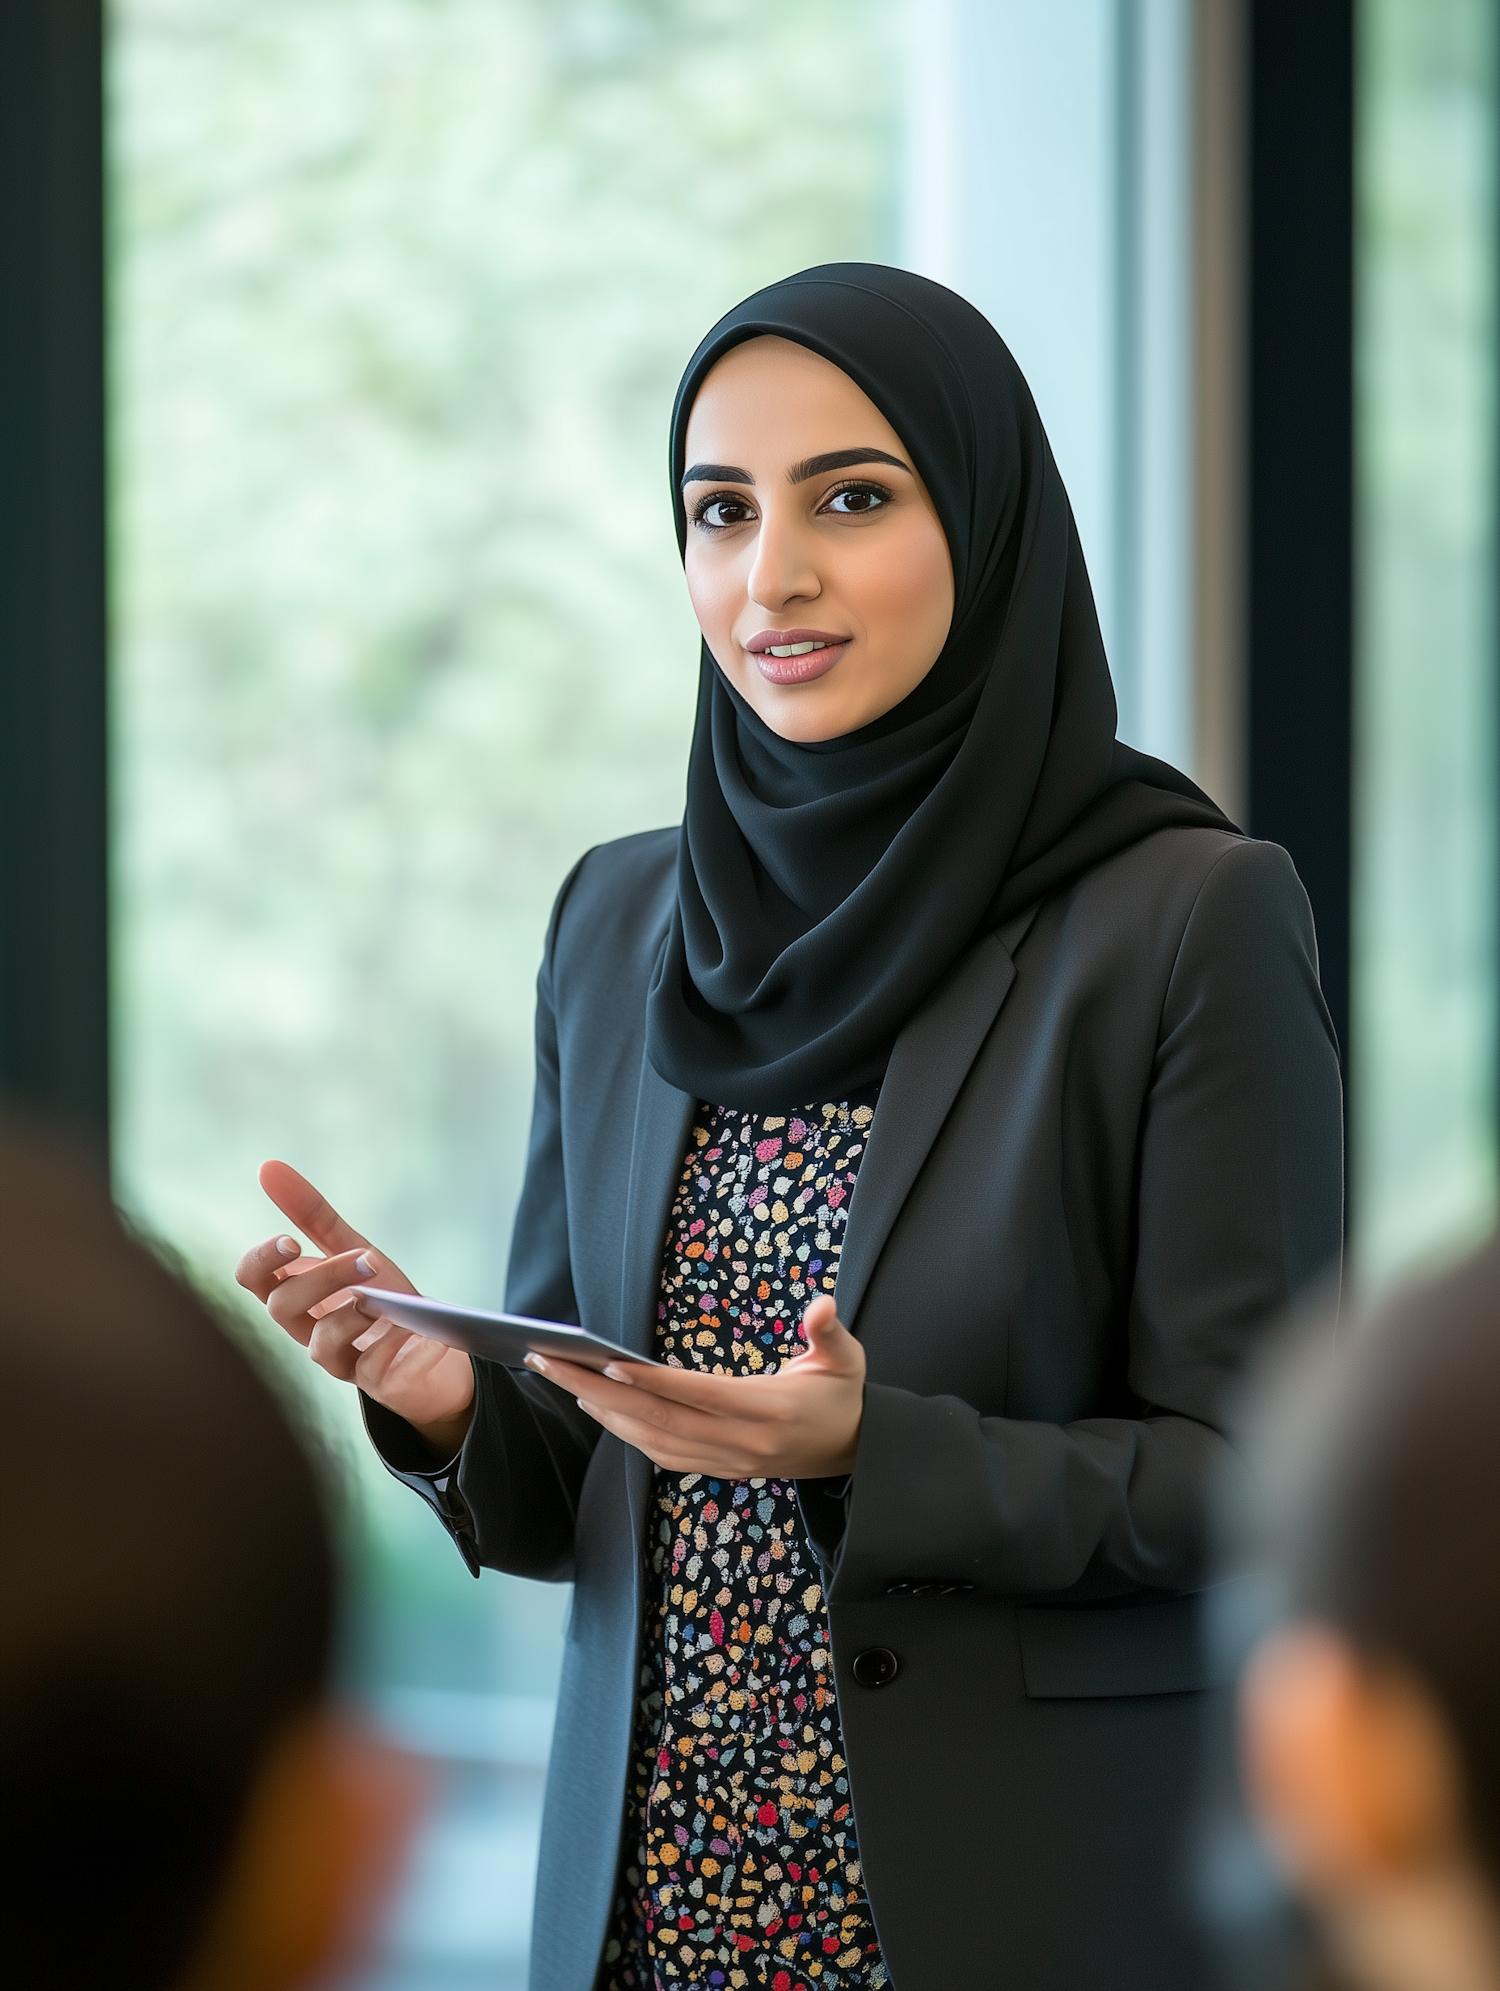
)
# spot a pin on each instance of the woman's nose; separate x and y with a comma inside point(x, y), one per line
point(782, 570)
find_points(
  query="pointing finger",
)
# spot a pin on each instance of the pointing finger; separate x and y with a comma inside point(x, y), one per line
point(308, 1208)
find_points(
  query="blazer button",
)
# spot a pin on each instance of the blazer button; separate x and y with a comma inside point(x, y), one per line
point(876, 1666)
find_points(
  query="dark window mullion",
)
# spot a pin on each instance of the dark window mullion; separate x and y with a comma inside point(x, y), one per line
point(54, 982)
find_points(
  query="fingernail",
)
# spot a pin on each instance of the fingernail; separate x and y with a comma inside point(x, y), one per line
point(616, 1374)
point(364, 1265)
point(536, 1362)
point(371, 1335)
point(288, 1247)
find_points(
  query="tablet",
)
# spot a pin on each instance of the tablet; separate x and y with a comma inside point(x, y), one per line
point(503, 1338)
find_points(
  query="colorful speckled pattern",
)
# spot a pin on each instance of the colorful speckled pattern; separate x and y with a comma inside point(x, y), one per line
point(741, 1866)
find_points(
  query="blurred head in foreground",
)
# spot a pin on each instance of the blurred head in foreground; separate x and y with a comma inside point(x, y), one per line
point(1370, 1720)
point(182, 1810)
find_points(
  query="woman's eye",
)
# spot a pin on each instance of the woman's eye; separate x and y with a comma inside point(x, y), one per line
point(724, 510)
point(857, 500)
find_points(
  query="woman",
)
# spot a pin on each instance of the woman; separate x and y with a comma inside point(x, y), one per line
point(974, 1071)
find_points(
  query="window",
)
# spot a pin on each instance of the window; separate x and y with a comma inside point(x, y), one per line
point(403, 290)
point(1425, 938)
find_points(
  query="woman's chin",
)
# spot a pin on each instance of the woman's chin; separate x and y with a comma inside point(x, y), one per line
point(807, 722)
point(808, 714)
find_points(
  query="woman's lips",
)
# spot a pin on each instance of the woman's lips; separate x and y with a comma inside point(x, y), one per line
point(806, 654)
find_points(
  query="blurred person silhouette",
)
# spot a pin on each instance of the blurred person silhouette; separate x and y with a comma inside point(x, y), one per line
point(183, 1807)
point(1370, 1714)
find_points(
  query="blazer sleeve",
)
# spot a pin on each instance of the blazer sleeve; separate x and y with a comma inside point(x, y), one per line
point(510, 1497)
point(1240, 1195)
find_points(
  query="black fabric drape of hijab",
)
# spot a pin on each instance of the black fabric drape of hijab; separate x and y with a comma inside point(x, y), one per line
point(823, 891)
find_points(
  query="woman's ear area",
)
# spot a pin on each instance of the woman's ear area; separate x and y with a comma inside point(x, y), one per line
point(1348, 1763)
point(320, 1847)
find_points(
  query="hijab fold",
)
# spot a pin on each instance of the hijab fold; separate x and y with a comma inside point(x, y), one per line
point(824, 890)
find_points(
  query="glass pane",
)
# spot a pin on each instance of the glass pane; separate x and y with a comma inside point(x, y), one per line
point(1424, 1025)
point(403, 288)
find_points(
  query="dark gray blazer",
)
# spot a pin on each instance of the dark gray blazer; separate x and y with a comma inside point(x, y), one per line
point(1107, 1152)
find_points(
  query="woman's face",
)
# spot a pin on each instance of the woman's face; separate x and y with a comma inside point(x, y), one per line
point(809, 532)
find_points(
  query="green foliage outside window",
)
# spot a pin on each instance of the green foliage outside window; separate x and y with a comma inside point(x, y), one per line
point(402, 291)
point(1425, 934)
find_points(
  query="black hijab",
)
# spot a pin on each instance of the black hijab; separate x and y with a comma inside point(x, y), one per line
point(824, 890)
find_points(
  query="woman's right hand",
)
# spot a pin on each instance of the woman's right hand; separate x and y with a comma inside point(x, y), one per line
point(430, 1385)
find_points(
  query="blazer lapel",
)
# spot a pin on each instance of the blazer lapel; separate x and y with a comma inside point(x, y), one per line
point(930, 1062)
point(663, 1117)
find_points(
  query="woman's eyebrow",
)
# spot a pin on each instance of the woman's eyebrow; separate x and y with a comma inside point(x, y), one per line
point(715, 473)
point(840, 459)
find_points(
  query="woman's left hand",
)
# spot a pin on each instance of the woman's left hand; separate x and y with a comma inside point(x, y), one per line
point(800, 1422)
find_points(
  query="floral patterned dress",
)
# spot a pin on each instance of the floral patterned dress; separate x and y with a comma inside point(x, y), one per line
point(741, 1868)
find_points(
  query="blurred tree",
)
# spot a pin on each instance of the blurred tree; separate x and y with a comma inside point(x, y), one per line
point(402, 292)
point(1425, 886)
point(404, 287)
